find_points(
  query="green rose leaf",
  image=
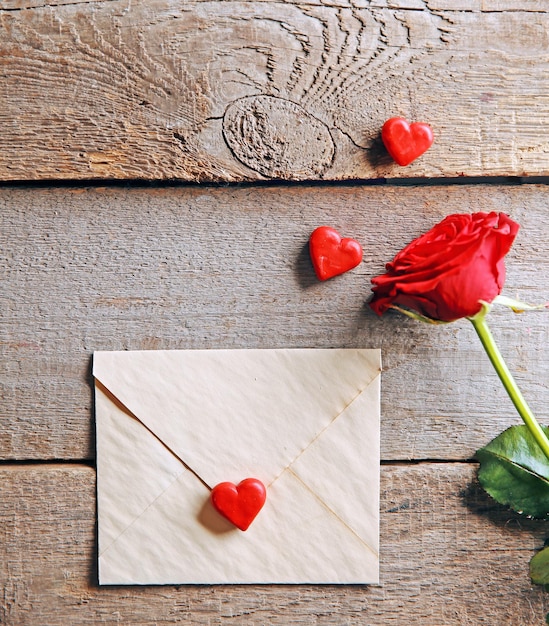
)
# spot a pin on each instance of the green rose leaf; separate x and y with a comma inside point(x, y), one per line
point(515, 472)
point(539, 567)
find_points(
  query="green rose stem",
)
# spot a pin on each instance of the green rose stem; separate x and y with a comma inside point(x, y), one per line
point(487, 340)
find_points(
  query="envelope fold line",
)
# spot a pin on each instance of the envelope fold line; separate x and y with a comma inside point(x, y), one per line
point(321, 432)
point(135, 519)
point(330, 510)
point(130, 413)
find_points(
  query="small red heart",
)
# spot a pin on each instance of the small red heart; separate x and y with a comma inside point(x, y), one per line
point(331, 255)
point(406, 142)
point(239, 503)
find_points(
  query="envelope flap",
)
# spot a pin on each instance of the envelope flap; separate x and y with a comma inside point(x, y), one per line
point(229, 414)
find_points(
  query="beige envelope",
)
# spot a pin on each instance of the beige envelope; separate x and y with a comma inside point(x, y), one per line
point(173, 424)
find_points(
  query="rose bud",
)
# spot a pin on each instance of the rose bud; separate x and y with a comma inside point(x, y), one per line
point(449, 271)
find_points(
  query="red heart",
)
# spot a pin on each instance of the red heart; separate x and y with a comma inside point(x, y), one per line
point(406, 142)
point(239, 503)
point(331, 255)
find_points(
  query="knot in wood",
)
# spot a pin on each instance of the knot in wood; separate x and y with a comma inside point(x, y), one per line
point(277, 138)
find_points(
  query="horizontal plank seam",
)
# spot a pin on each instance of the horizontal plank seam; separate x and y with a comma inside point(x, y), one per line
point(48, 462)
point(429, 461)
point(143, 183)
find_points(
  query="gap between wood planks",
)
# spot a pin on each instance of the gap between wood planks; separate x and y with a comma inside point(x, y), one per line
point(370, 182)
point(6, 463)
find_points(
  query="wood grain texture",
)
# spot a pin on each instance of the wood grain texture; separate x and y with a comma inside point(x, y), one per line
point(448, 556)
point(87, 269)
point(249, 90)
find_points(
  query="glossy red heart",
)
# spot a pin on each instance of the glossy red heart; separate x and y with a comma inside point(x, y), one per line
point(239, 503)
point(406, 142)
point(331, 254)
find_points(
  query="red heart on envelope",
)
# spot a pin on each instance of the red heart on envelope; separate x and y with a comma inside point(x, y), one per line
point(406, 142)
point(331, 254)
point(240, 503)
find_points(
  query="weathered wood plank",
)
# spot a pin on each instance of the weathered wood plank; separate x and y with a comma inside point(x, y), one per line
point(246, 90)
point(200, 267)
point(448, 556)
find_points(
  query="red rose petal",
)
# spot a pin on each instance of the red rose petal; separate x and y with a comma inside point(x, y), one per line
point(446, 273)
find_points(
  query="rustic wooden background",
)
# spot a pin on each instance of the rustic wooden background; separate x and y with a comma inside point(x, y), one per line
point(163, 164)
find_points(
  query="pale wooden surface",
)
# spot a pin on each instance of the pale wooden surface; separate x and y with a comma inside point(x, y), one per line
point(243, 90)
point(91, 268)
point(250, 91)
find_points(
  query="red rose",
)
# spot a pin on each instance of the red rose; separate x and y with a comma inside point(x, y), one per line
point(445, 273)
